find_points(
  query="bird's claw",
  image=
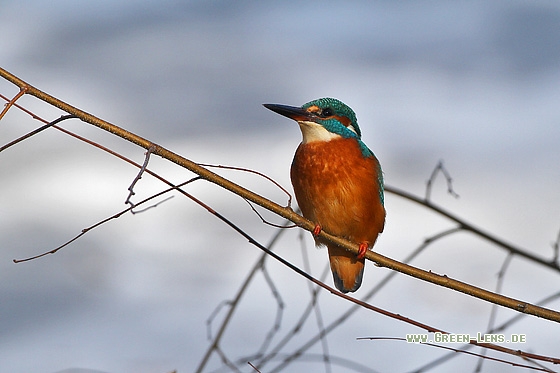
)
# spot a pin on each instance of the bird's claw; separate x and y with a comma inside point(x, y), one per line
point(316, 230)
point(362, 250)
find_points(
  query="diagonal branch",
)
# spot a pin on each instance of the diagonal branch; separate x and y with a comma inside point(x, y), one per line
point(287, 212)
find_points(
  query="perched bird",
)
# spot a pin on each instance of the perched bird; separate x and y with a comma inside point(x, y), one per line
point(338, 183)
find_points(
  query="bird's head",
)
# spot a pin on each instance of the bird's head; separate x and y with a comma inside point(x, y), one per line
point(322, 120)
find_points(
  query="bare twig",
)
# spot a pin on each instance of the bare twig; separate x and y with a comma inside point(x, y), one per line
point(494, 310)
point(279, 312)
point(284, 226)
point(136, 179)
point(318, 315)
point(289, 205)
point(253, 172)
point(230, 364)
point(556, 248)
point(439, 168)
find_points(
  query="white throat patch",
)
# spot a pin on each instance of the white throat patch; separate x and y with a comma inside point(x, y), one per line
point(312, 131)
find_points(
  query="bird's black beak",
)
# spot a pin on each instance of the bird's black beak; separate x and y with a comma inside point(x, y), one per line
point(292, 112)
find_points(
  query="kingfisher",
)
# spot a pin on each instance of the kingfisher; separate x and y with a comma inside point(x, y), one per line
point(338, 183)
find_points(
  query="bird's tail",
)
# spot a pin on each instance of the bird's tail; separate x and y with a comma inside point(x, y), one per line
point(347, 270)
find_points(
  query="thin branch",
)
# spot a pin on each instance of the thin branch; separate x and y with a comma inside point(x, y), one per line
point(11, 102)
point(318, 315)
point(136, 179)
point(556, 248)
point(499, 285)
point(254, 367)
point(460, 351)
point(213, 315)
point(289, 205)
point(279, 312)
point(429, 184)
point(253, 172)
point(226, 361)
point(36, 131)
point(264, 221)
point(494, 310)
point(29, 112)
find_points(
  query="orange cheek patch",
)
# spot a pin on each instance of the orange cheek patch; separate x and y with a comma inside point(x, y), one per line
point(344, 120)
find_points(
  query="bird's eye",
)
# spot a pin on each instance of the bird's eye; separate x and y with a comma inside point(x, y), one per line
point(327, 112)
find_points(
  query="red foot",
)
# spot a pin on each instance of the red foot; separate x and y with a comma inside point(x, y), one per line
point(316, 230)
point(362, 250)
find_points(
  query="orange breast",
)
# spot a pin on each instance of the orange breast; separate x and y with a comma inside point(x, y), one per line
point(337, 188)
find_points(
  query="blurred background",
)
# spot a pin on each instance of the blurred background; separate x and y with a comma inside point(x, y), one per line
point(473, 83)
